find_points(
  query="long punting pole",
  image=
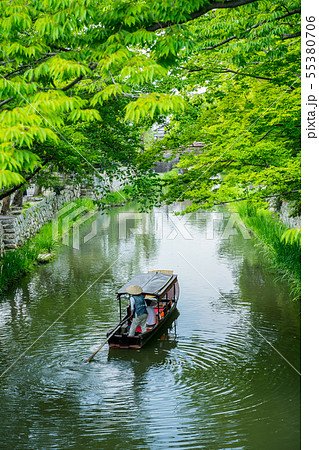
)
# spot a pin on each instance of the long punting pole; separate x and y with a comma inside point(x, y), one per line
point(102, 345)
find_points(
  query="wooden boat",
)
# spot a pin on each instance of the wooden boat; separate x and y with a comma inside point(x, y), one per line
point(162, 289)
point(155, 351)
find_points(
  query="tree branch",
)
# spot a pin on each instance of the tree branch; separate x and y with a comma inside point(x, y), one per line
point(70, 85)
point(236, 72)
point(44, 56)
point(4, 63)
point(15, 188)
point(112, 78)
point(4, 102)
point(211, 5)
point(265, 196)
point(231, 161)
point(79, 78)
point(25, 66)
point(290, 36)
point(295, 11)
point(265, 135)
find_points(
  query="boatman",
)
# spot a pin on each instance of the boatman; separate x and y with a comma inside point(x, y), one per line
point(138, 309)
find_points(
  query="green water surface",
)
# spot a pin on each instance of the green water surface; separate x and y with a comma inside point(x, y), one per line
point(222, 375)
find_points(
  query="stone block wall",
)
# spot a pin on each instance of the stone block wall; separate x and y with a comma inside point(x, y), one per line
point(291, 222)
point(18, 228)
point(284, 214)
point(1, 240)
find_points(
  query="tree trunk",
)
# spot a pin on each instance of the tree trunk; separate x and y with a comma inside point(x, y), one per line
point(37, 190)
point(5, 205)
point(18, 199)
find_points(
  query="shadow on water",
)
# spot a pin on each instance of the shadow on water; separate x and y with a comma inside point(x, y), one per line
point(154, 352)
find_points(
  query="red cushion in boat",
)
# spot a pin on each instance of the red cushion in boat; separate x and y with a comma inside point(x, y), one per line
point(139, 329)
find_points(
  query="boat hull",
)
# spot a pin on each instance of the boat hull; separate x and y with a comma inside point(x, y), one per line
point(123, 341)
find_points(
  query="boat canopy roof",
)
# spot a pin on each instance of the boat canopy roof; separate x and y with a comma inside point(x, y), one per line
point(154, 283)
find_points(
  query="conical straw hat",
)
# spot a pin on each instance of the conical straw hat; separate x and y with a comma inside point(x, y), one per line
point(134, 290)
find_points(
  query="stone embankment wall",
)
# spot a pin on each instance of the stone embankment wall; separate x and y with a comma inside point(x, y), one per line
point(16, 229)
point(291, 222)
point(284, 215)
point(1, 240)
point(165, 166)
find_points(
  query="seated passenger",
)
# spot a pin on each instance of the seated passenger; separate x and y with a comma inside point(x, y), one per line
point(151, 315)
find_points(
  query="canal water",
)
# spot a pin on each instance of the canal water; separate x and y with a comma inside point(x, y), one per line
point(222, 375)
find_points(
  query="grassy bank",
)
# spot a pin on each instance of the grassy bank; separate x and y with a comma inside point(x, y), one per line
point(281, 246)
point(20, 261)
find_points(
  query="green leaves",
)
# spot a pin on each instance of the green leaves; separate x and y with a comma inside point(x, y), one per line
point(110, 91)
point(13, 160)
point(153, 104)
point(64, 69)
point(13, 23)
point(7, 178)
point(291, 236)
point(60, 57)
point(248, 116)
point(114, 59)
point(84, 115)
point(16, 86)
point(141, 70)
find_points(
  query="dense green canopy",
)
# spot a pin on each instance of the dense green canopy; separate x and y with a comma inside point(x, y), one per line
point(241, 88)
point(68, 64)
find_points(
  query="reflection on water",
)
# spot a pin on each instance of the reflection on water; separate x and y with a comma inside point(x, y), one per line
point(208, 380)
